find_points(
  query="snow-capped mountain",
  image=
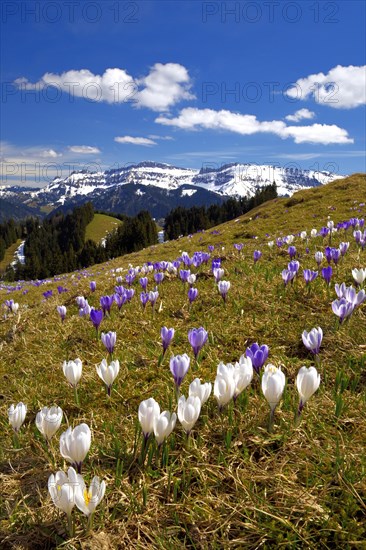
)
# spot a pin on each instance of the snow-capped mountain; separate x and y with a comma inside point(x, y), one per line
point(160, 187)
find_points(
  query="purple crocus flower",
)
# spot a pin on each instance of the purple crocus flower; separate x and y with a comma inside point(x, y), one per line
point(184, 274)
point(96, 316)
point(130, 293)
point(106, 303)
point(309, 275)
point(238, 246)
point(93, 286)
point(120, 290)
point(167, 335)
point(85, 311)
point(47, 294)
point(288, 275)
point(109, 340)
point(179, 365)
point(130, 279)
point(153, 296)
point(256, 255)
point(211, 248)
point(328, 253)
point(218, 273)
point(327, 274)
point(258, 355)
point(336, 254)
point(197, 337)
point(192, 294)
point(143, 283)
point(324, 232)
point(62, 312)
point(158, 278)
point(292, 251)
point(120, 300)
point(144, 297)
point(294, 266)
point(61, 289)
point(223, 287)
point(342, 308)
point(312, 340)
point(343, 247)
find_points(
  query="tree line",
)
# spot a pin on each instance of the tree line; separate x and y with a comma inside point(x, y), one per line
point(10, 232)
point(57, 244)
point(184, 221)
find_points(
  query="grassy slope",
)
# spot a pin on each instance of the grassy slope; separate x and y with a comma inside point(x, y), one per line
point(235, 485)
point(9, 255)
point(100, 226)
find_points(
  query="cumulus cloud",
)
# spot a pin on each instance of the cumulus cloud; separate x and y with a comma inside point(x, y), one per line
point(84, 149)
point(146, 142)
point(195, 119)
point(164, 86)
point(341, 88)
point(300, 114)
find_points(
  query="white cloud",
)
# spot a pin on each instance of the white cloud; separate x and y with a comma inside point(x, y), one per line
point(194, 119)
point(341, 88)
point(84, 149)
point(300, 114)
point(317, 133)
point(146, 142)
point(164, 86)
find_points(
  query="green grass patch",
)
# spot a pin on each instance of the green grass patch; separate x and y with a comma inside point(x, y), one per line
point(100, 226)
point(9, 255)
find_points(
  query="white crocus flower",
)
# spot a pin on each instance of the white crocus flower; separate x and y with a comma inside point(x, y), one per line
point(273, 384)
point(75, 444)
point(62, 490)
point(108, 373)
point(243, 374)
point(203, 391)
point(164, 424)
point(48, 421)
point(88, 499)
point(225, 384)
point(188, 412)
point(359, 275)
point(307, 382)
point(149, 409)
point(72, 371)
point(17, 415)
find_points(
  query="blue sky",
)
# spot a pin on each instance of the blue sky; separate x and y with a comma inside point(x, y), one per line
point(97, 85)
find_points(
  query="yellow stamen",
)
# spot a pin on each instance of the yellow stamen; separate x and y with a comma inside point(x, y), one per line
point(87, 497)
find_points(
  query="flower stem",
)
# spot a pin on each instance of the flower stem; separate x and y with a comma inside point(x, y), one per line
point(76, 396)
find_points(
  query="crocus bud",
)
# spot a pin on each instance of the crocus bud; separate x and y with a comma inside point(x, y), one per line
point(108, 373)
point(243, 374)
point(313, 339)
point(75, 444)
point(164, 424)
point(188, 412)
point(273, 384)
point(72, 371)
point(17, 415)
point(224, 386)
point(179, 365)
point(359, 275)
point(307, 382)
point(48, 421)
point(148, 410)
point(203, 391)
